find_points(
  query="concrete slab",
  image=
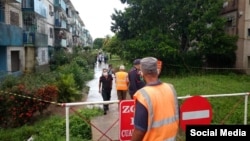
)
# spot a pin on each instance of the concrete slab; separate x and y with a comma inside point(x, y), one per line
point(106, 127)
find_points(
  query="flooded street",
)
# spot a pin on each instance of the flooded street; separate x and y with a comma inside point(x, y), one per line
point(93, 94)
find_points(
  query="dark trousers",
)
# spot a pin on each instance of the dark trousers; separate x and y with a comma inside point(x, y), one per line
point(122, 94)
point(106, 95)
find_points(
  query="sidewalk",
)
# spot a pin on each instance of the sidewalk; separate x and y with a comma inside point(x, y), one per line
point(106, 124)
point(106, 127)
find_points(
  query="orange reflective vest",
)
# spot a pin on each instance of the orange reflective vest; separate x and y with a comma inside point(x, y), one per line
point(163, 111)
point(121, 80)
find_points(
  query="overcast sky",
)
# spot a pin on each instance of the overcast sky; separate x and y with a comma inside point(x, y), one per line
point(96, 15)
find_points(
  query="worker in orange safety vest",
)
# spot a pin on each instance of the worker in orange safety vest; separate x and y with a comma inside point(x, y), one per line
point(156, 116)
point(121, 79)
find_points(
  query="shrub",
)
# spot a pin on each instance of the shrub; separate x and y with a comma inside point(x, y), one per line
point(47, 94)
point(67, 87)
point(8, 82)
point(79, 126)
point(82, 63)
point(19, 104)
point(60, 57)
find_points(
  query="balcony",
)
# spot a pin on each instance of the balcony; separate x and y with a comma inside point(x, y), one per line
point(75, 33)
point(10, 35)
point(230, 6)
point(35, 39)
point(60, 24)
point(36, 6)
point(60, 4)
point(15, 1)
point(61, 43)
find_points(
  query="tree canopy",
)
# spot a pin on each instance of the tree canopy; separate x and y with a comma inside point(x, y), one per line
point(172, 31)
point(98, 43)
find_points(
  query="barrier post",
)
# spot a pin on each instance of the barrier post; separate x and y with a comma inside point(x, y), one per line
point(67, 122)
point(68, 105)
point(245, 112)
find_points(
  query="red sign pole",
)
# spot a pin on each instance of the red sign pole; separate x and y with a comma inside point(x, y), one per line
point(126, 119)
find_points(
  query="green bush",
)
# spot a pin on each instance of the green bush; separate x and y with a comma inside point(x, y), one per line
point(53, 128)
point(67, 87)
point(81, 62)
point(17, 134)
point(76, 72)
point(36, 80)
point(79, 127)
point(8, 82)
point(60, 57)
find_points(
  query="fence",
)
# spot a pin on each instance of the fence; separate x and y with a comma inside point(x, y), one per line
point(68, 105)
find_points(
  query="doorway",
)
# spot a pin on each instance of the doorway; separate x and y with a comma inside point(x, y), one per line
point(15, 61)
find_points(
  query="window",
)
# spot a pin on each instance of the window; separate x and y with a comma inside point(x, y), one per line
point(2, 18)
point(229, 22)
point(50, 32)
point(50, 8)
point(248, 61)
point(27, 3)
point(43, 56)
point(14, 18)
point(51, 13)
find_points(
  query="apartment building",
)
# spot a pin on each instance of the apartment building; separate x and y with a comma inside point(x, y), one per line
point(35, 35)
point(32, 29)
point(69, 28)
point(88, 40)
point(60, 27)
point(11, 42)
point(237, 13)
point(50, 22)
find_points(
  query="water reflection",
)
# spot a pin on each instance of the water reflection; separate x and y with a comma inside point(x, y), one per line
point(93, 94)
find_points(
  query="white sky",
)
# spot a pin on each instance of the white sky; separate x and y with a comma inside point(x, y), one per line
point(96, 15)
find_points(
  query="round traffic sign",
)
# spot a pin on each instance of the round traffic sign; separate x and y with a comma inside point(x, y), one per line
point(195, 110)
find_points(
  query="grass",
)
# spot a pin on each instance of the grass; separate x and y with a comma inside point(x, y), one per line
point(210, 84)
point(216, 84)
point(225, 110)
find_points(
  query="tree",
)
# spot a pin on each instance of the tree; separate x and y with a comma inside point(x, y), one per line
point(98, 43)
point(173, 30)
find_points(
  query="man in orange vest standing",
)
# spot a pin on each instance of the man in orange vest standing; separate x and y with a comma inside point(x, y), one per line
point(156, 116)
point(121, 79)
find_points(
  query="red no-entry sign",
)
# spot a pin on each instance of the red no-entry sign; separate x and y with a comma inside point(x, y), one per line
point(195, 110)
point(126, 119)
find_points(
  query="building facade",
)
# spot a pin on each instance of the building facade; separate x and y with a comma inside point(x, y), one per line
point(32, 29)
point(11, 43)
point(237, 13)
point(35, 36)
